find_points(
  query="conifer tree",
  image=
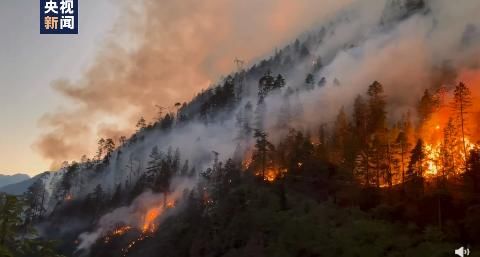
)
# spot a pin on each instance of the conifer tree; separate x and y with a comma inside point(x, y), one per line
point(310, 81)
point(185, 169)
point(426, 106)
point(265, 85)
point(360, 118)
point(35, 199)
point(141, 124)
point(402, 143)
point(262, 148)
point(340, 136)
point(416, 165)
point(462, 101)
point(10, 209)
point(109, 146)
point(154, 165)
point(376, 105)
point(101, 147)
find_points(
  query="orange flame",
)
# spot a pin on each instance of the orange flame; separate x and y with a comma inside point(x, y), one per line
point(151, 216)
point(149, 220)
point(432, 131)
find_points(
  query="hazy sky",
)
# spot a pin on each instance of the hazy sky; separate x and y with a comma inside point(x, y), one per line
point(29, 62)
point(160, 52)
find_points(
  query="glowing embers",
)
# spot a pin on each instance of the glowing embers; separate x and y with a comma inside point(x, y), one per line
point(133, 243)
point(118, 231)
point(121, 230)
point(271, 174)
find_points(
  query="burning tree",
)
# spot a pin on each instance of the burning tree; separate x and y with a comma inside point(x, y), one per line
point(462, 101)
point(262, 148)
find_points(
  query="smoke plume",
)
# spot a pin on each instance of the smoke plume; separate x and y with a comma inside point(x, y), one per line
point(174, 49)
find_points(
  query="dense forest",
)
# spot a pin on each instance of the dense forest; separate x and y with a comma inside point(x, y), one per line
point(277, 159)
point(383, 190)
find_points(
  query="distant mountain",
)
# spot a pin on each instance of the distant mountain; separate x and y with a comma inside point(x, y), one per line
point(20, 186)
point(11, 179)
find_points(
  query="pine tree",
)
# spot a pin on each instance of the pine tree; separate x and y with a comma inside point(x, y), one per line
point(279, 82)
point(98, 198)
point(122, 140)
point(141, 124)
point(416, 165)
point(64, 186)
point(108, 147)
point(117, 195)
point(34, 199)
point(99, 194)
point(260, 113)
point(462, 101)
point(450, 149)
point(426, 106)
point(360, 118)
point(473, 169)
point(364, 164)
point(265, 85)
point(402, 144)
point(185, 169)
point(167, 121)
point(244, 122)
point(376, 105)
point(101, 147)
point(310, 81)
point(154, 165)
point(379, 159)
point(84, 159)
point(340, 136)
point(10, 209)
point(176, 161)
point(166, 172)
point(262, 148)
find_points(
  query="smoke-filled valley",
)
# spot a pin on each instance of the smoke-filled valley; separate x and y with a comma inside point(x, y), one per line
point(359, 138)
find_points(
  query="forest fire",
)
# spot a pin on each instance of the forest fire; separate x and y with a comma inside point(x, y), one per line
point(149, 220)
point(441, 161)
point(119, 231)
point(133, 243)
point(149, 225)
point(270, 174)
point(151, 216)
point(447, 129)
point(432, 156)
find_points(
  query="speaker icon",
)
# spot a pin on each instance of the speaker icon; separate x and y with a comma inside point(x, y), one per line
point(462, 251)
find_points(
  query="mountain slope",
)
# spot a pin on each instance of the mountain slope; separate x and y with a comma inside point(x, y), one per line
point(249, 164)
point(20, 187)
point(11, 179)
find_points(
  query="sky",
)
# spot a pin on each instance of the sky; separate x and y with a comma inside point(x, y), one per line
point(61, 93)
point(29, 62)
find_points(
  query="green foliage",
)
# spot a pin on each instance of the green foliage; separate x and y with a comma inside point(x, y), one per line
point(15, 235)
point(249, 221)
